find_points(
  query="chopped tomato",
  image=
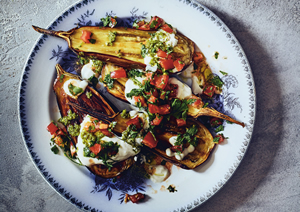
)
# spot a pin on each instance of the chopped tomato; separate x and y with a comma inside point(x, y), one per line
point(103, 126)
point(59, 141)
point(178, 65)
point(86, 36)
point(120, 73)
point(160, 81)
point(145, 27)
point(140, 99)
point(152, 99)
point(198, 101)
point(135, 198)
point(219, 138)
point(166, 63)
point(198, 57)
point(155, 22)
point(90, 127)
point(135, 121)
point(52, 128)
point(106, 132)
point(113, 22)
point(72, 149)
point(149, 76)
point(214, 122)
point(176, 148)
point(167, 28)
point(95, 149)
point(155, 93)
point(209, 90)
point(157, 120)
point(150, 140)
point(173, 88)
point(162, 109)
point(162, 54)
point(180, 122)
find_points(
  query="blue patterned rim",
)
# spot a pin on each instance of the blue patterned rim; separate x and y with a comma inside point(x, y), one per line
point(56, 185)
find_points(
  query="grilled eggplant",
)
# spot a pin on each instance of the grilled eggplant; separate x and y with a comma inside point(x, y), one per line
point(118, 90)
point(95, 101)
point(125, 50)
point(192, 160)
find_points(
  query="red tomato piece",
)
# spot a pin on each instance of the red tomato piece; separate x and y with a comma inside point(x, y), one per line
point(162, 54)
point(198, 57)
point(155, 22)
point(214, 122)
point(157, 120)
point(113, 22)
point(167, 28)
point(198, 101)
point(120, 73)
point(160, 81)
point(155, 93)
point(180, 122)
point(135, 121)
point(209, 90)
point(140, 99)
point(107, 133)
point(219, 138)
point(95, 149)
point(162, 109)
point(136, 197)
point(173, 88)
point(178, 65)
point(166, 63)
point(52, 128)
point(176, 148)
point(150, 140)
point(152, 99)
point(86, 36)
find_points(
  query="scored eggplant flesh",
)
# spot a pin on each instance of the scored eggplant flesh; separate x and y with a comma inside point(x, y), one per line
point(126, 49)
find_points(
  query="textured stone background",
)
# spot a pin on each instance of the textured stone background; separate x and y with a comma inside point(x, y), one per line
point(268, 178)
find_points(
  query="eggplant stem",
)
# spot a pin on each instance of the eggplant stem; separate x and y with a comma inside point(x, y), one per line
point(214, 113)
point(60, 34)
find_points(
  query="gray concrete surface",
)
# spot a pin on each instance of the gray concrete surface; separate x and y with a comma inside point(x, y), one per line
point(268, 178)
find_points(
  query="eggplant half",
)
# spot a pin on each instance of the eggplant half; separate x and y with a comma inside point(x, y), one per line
point(96, 102)
point(125, 50)
point(118, 90)
point(205, 143)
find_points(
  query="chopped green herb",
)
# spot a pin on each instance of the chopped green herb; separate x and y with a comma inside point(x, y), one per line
point(135, 73)
point(93, 80)
point(74, 130)
point(55, 149)
point(92, 41)
point(215, 80)
point(111, 38)
point(61, 78)
point(124, 114)
point(216, 55)
point(171, 188)
point(219, 129)
point(89, 94)
point(224, 73)
point(188, 136)
point(74, 90)
point(205, 105)
point(66, 120)
point(109, 81)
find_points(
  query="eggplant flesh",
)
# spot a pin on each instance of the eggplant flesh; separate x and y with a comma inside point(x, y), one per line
point(125, 51)
point(194, 159)
point(95, 102)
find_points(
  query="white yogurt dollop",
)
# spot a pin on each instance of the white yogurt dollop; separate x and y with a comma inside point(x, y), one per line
point(160, 174)
point(183, 91)
point(75, 82)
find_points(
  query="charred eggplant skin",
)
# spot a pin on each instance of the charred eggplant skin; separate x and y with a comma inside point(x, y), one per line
point(125, 50)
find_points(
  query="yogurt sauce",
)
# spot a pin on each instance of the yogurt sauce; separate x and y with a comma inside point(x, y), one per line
point(160, 173)
point(75, 82)
point(178, 156)
point(125, 149)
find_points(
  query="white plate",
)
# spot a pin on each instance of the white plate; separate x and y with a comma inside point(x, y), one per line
point(37, 107)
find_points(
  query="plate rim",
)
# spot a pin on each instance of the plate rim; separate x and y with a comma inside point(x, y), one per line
point(194, 202)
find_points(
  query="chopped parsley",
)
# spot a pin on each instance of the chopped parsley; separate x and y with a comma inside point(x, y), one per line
point(171, 188)
point(74, 90)
point(66, 120)
point(109, 81)
point(61, 78)
point(74, 130)
point(215, 80)
point(111, 38)
point(223, 72)
point(216, 55)
point(219, 129)
point(93, 80)
point(188, 136)
point(55, 149)
point(135, 73)
point(205, 105)
point(179, 108)
point(89, 94)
